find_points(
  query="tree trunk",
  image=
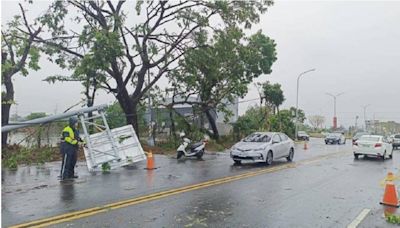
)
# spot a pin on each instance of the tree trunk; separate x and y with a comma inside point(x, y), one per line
point(39, 136)
point(5, 115)
point(89, 104)
point(6, 103)
point(129, 107)
point(172, 127)
point(213, 124)
point(130, 114)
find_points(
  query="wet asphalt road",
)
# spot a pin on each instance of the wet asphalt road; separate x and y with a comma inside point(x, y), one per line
point(315, 192)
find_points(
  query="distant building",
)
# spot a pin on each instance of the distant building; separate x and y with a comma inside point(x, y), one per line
point(384, 128)
point(186, 110)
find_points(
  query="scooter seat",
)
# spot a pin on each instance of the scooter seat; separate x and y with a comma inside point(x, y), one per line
point(194, 146)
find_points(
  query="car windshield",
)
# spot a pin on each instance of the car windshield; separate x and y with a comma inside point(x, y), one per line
point(334, 135)
point(257, 137)
point(370, 138)
point(397, 136)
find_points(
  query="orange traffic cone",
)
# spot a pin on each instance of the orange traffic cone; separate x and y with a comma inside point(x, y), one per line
point(305, 145)
point(390, 198)
point(150, 161)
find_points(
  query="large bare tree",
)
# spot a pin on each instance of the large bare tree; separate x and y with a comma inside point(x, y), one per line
point(134, 45)
point(316, 121)
point(18, 54)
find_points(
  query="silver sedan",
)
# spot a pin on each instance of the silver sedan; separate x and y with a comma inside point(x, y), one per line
point(263, 147)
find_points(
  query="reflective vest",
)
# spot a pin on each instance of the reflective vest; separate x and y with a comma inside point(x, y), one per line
point(69, 135)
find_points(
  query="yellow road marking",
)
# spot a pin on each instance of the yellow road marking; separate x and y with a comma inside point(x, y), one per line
point(158, 195)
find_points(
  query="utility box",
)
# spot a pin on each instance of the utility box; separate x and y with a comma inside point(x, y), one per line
point(117, 147)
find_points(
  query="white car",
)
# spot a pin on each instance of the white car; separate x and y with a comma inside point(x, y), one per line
point(263, 147)
point(373, 145)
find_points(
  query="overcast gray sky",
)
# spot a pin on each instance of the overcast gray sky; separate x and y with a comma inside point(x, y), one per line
point(354, 46)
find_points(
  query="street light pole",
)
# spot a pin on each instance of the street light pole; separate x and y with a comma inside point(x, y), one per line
point(355, 126)
point(297, 101)
point(334, 108)
point(365, 119)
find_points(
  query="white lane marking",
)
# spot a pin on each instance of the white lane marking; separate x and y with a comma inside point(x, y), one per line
point(359, 218)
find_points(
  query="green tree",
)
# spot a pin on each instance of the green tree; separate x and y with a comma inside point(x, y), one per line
point(126, 48)
point(90, 83)
point(223, 69)
point(18, 54)
point(116, 118)
point(35, 115)
point(253, 120)
point(301, 115)
point(273, 95)
point(282, 122)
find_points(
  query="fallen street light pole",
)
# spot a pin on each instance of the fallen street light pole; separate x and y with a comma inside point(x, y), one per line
point(15, 126)
point(116, 147)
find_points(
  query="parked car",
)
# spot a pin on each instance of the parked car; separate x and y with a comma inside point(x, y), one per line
point(335, 138)
point(373, 145)
point(396, 141)
point(263, 147)
point(358, 135)
point(302, 135)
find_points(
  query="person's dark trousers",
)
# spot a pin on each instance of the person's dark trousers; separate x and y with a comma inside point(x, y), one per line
point(62, 165)
point(67, 169)
point(74, 159)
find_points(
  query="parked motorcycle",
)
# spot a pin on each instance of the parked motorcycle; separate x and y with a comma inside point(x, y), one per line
point(187, 150)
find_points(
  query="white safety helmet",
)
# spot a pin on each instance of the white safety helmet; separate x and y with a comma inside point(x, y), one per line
point(182, 134)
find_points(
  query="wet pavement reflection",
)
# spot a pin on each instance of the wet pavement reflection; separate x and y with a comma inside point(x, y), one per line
point(34, 192)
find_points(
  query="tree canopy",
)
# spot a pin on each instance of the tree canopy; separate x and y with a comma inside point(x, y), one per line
point(273, 95)
point(129, 52)
point(222, 70)
point(19, 53)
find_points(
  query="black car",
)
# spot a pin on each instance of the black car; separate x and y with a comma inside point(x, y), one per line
point(335, 138)
point(302, 135)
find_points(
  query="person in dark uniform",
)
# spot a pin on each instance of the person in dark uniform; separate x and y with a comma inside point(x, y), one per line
point(69, 149)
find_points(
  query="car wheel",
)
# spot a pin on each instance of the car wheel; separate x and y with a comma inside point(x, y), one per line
point(237, 162)
point(269, 158)
point(291, 154)
point(339, 142)
point(391, 155)
point(356, 156)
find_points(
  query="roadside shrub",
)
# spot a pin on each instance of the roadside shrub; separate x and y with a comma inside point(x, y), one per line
point(393, 219)
point(15, 155)
point(11, 163)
